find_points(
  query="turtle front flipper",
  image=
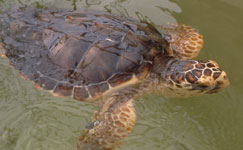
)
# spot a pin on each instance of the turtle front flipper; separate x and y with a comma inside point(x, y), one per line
point(184, 41)
point(111, 124)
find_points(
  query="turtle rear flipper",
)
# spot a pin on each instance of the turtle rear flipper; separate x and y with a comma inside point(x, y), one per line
point(184, 41)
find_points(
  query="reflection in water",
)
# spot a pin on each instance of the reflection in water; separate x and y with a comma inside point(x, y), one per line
point(143, 18)
point(117, 7)
point(31, 119)
point(92, 2)
point(74, 4)
point(160, 14)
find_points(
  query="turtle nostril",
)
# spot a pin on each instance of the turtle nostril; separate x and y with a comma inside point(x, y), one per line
point(225, 77)
point(218, 83)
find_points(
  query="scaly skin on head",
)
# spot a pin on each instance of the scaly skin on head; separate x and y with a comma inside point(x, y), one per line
point(184, 78)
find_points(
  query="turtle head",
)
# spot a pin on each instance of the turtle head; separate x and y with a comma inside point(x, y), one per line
point(184, 78)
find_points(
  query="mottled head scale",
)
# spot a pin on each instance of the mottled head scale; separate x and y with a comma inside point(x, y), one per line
point(189, 77)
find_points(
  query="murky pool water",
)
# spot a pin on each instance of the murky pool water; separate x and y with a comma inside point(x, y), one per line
point(32, 119)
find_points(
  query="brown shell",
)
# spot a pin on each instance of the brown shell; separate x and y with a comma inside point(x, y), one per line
point(78, 53)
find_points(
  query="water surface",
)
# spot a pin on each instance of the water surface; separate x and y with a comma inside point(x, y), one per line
point(32, 119)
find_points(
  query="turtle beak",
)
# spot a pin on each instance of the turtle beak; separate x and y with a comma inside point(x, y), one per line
point(221, 82)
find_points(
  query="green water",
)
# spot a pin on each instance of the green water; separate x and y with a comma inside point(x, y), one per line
point(32, 119)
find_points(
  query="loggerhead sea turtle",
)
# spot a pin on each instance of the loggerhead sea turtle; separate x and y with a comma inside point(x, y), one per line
point(106, 59)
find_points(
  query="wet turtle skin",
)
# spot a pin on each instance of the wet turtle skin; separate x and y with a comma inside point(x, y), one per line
point(78, 53)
